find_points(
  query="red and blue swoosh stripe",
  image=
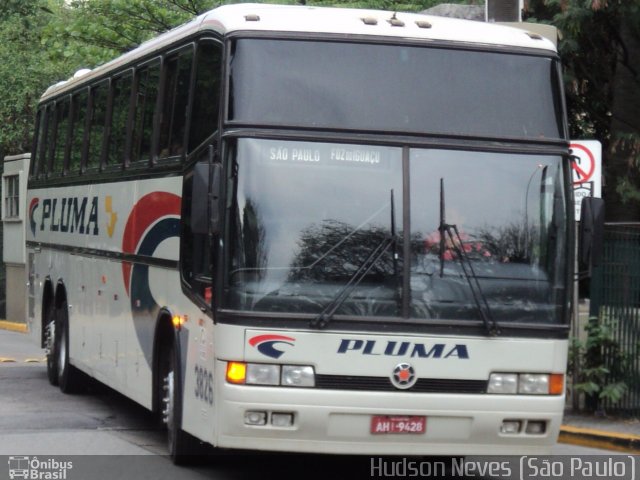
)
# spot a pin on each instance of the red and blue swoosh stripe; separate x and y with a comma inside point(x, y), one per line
point(153, 219)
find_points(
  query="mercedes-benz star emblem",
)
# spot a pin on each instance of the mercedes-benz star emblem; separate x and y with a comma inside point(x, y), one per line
point(403, 376)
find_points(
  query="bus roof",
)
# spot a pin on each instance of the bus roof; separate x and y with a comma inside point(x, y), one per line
point(296, 18)
point(337, 21)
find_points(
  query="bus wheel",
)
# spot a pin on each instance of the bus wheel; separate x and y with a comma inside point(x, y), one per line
point(49, 346)
point(182, 446)
point(70, 379)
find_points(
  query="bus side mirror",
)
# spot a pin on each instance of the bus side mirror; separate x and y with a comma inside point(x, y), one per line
point(205, 198)
point(590, 235)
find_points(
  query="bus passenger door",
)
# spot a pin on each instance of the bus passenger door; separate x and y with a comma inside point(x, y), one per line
point(200, 223)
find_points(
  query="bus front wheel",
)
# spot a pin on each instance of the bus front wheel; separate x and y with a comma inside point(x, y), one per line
point(182, 447)
point(49, 346)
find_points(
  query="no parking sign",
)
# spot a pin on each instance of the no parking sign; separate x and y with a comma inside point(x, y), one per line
point(586, 170)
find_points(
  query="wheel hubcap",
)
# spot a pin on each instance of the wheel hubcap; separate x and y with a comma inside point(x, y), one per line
point(168, 411)
point(49, 335)
point(62, 353)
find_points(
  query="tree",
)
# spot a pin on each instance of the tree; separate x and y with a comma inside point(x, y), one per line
point(45, 41)
point(113, 27)
point(25, 71)
point(600, 49)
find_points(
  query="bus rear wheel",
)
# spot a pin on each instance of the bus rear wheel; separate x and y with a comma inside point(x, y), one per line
point(70, 379)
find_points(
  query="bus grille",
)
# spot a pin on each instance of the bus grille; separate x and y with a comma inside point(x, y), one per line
point(383, 384)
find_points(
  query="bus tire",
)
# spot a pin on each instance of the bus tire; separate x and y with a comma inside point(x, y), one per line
point(70, 379)
point(50, 345)
point(183, 448)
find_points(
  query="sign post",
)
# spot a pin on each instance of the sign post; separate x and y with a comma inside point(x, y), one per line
point(586, 171)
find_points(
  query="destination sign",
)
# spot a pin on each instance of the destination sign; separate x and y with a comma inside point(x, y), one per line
point(326, 154)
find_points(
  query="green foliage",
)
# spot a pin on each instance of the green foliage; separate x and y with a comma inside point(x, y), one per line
point(600, 49)
point(44, 41)
point(106, 28)
point(602, 365)
point(25, 71)
point(586, 41)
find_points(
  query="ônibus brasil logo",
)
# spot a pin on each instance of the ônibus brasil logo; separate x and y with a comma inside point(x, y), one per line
point(266, 344)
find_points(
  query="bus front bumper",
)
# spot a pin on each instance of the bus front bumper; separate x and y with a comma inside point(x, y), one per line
point(339, 422)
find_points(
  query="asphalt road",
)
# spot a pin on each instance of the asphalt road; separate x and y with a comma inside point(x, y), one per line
point(107, 436)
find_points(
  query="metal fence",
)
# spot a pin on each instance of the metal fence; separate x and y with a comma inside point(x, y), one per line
point(615, 301)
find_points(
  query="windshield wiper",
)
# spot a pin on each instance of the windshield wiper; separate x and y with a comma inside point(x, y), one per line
point(363, 270)
point(472, 279)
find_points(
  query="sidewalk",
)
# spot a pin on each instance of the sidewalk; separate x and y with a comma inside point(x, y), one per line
point(611, 433)
point(16, 347)
point(13, 326)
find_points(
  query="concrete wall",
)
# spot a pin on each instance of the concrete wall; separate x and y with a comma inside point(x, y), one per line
point(16, 293)
point(14, 252)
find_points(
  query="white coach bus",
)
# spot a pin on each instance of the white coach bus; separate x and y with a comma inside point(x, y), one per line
point(312, 230)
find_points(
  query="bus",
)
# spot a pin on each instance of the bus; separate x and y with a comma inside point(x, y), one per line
point(300, 229)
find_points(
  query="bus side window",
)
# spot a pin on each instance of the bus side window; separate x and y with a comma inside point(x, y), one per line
point(174, 105)
point(147, 86)
point(121, 91)
point(51, 144)
point(206, 98)
point(78, 128)
point(38, 165)
point(62, 136)
point(98, 109)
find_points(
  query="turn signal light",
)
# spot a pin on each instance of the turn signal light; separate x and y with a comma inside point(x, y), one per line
point(556, 384)
point(236, 372)
point(177, 321)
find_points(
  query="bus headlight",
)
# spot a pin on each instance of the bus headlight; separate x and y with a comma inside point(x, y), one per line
point(533, 384)
point(263, 374)
point(298, 376)
point(503, 383)
point(268, 374)
point(526, 383)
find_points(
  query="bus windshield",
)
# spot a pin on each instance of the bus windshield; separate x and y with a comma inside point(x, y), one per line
point(394, 88)
point(305, 216)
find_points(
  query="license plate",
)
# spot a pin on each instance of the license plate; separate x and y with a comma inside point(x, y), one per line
point(382, 424)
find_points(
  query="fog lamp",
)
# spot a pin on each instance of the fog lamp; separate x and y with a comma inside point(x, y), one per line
point(282, 419)
point(255, 418)
point(510, 427)
point(536, 427)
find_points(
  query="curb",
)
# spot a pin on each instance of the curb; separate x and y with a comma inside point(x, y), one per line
point(589, 437)
point(26, 360)
point(13, 326)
